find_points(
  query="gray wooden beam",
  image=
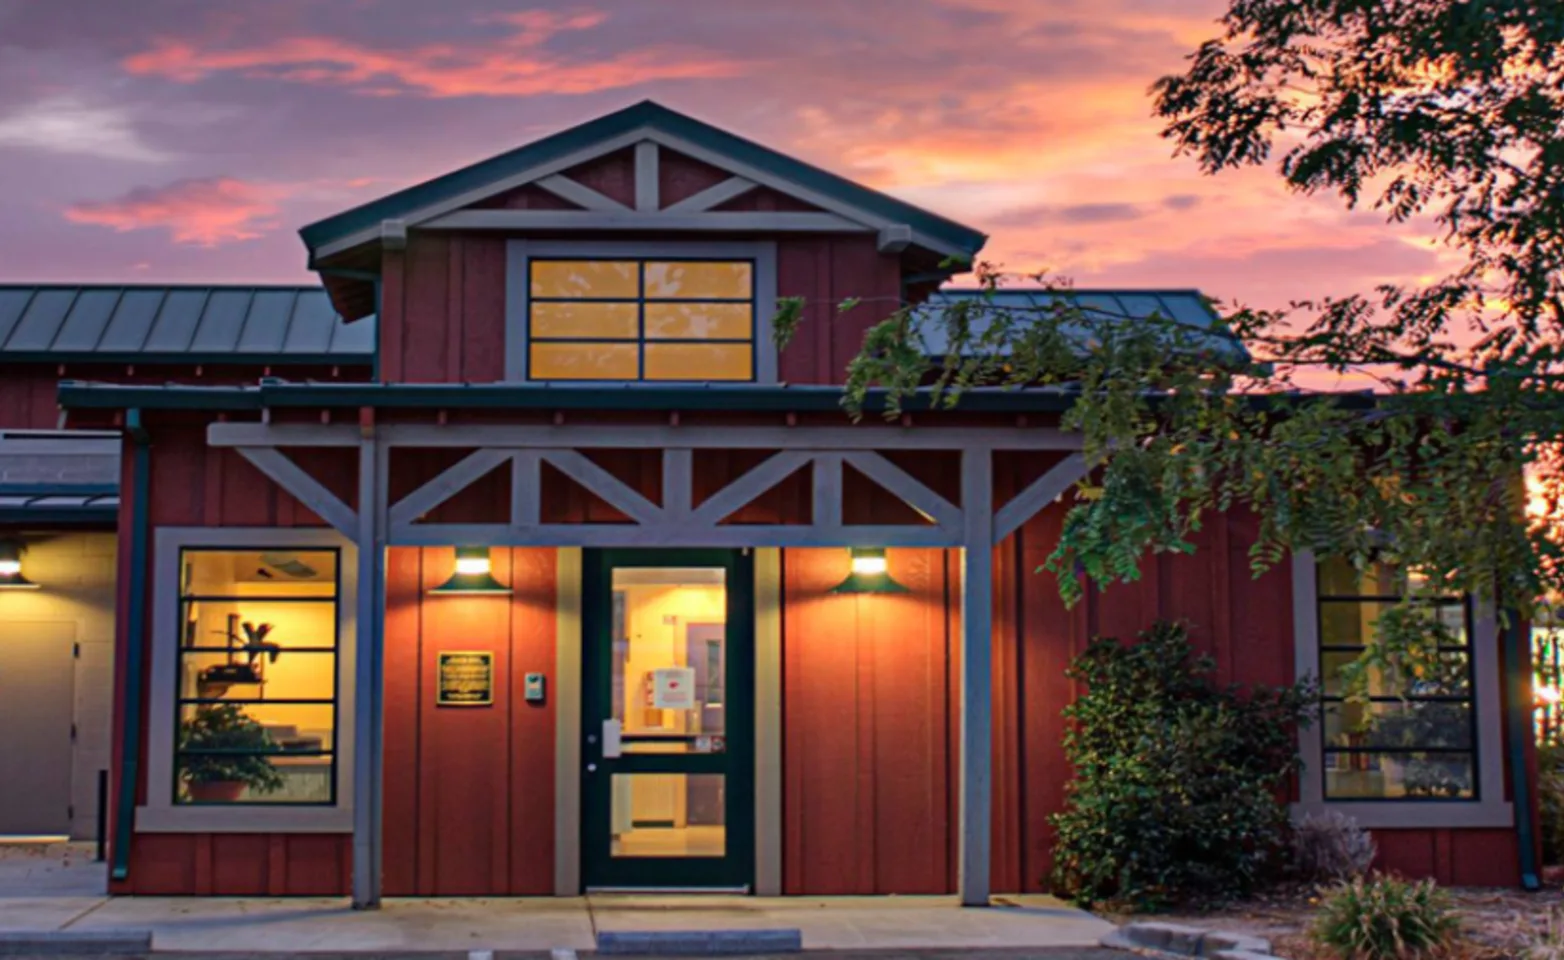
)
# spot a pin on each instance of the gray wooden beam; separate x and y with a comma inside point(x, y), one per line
point(587, 436)
point(713, 196)
point(678, 482)
point(369, 679)
point(599, 481)
point(731, 536)
point(895, 238)
point(646, 177)
point(733, 221)
point(827, 490)
point(754, 482)
point(1038, 494)
point(309, 491)
point(453, 480)
point(974, 838)
point(580, 194)
point(906, 487)
point(526, 488)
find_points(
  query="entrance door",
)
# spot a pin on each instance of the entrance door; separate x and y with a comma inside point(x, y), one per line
point(668, 679)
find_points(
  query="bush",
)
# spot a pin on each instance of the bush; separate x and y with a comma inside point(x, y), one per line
point(1385, 919)
point(1550, 788)
point(1331, 846)
point(1178, 783)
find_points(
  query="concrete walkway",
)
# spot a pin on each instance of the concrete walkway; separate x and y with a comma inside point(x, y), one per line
point(60, 890)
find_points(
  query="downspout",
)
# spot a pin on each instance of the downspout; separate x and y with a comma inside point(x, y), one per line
point(1520, 725)
point(135, 643)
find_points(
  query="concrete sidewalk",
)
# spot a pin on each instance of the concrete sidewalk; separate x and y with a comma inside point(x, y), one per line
point(51, 892)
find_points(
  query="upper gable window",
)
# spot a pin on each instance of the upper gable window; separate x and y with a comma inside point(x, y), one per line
point(641, 319)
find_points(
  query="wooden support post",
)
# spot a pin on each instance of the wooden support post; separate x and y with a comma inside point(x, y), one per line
point(977, 680)
point(369, 677)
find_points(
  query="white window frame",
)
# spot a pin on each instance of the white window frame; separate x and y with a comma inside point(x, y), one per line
point(520, 253)
point(161, 814)
point(1489, 810)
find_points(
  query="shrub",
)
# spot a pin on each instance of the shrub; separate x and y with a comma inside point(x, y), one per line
point(1385, 918)
point(1178, 782)
point(1550, 789)
point(1331, 846)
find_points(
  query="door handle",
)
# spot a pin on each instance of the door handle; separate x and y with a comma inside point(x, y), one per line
point(611, 740)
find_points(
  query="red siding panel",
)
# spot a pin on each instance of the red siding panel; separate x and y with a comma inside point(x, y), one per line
point(469, 803)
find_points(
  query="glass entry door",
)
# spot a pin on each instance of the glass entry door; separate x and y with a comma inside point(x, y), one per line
point(668, 678)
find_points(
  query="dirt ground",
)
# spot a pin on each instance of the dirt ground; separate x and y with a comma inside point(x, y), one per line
point(1496, 923)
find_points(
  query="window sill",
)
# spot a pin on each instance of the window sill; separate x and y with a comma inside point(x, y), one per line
point(1431, 815)
point(244, 819)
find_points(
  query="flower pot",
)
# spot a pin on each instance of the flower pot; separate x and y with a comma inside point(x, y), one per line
point(216, 791)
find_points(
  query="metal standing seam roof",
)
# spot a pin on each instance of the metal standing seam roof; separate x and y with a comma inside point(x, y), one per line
point(267, 325)
point(1187, 307)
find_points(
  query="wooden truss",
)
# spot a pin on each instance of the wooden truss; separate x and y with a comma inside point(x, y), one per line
point(974, 526)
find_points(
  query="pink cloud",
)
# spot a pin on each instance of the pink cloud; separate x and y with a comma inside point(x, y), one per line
point(513, 65)
point(204, 212)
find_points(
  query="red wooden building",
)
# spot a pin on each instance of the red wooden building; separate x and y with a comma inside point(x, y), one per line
point(587, 584)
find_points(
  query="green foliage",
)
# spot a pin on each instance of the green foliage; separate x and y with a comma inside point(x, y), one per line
point(1384, 918)
point(1447, 115)
point(1178, 782)
point(226, 727)
point(1550, 789)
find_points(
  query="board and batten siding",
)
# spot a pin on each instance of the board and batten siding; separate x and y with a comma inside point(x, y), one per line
point(192, 485)
point(469, 791)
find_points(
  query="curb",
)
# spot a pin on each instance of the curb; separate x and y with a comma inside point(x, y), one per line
point(77, 943)
point(1176, 940)
point(702, 943)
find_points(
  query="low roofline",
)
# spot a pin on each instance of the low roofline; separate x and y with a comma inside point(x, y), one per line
point(270, 394)
point(641, 397)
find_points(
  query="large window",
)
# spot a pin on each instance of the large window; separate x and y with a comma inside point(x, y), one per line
point(1415, 737)
point(257, 676)
point(641, 319)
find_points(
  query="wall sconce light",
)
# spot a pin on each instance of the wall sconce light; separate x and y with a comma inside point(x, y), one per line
point(869, 574)
point(472, 576)
point(11, 567)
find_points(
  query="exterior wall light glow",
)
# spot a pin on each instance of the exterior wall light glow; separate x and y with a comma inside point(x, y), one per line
point(870, 573)
point(473, 576)
point(11, 567)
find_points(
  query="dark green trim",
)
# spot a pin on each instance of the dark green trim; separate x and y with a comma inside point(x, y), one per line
point(58, 516)
point(76, 394)
point(59, 490)
point(1519, 724)
point(226, 359)
point(135, 643)
point(737, 764)
point(487, 173)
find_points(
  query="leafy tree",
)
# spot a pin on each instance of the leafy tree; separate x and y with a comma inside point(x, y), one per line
point(1440, 113)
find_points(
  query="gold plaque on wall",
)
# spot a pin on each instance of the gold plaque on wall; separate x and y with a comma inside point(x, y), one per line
point(466, 679)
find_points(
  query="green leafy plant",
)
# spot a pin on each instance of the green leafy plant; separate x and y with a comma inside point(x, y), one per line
point(1550, 789)
point(1385, 918)
point(1179, 783)
point(1331, 846)
point(228, 732)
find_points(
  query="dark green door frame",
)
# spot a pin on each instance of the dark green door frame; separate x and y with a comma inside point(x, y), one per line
point(737, 763)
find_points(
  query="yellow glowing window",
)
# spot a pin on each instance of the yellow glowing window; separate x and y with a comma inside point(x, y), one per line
point(641, 320)
point(257, 710)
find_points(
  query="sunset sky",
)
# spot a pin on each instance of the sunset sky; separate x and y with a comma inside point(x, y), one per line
point(187, 140)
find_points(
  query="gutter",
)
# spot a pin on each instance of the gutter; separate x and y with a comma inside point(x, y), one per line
point(135, 643)
point(1519, 725)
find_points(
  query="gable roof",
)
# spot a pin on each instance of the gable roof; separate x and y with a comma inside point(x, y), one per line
point(643, 121)
point(253, 325)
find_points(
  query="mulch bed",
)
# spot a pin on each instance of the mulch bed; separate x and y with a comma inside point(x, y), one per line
point(1496, 923)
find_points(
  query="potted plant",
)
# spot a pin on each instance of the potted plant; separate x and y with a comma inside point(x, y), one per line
point(220, 753)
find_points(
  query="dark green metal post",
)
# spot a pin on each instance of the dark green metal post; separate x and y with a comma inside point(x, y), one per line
point(135, 643)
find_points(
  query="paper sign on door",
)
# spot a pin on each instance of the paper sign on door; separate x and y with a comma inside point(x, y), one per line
point(673, 688)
